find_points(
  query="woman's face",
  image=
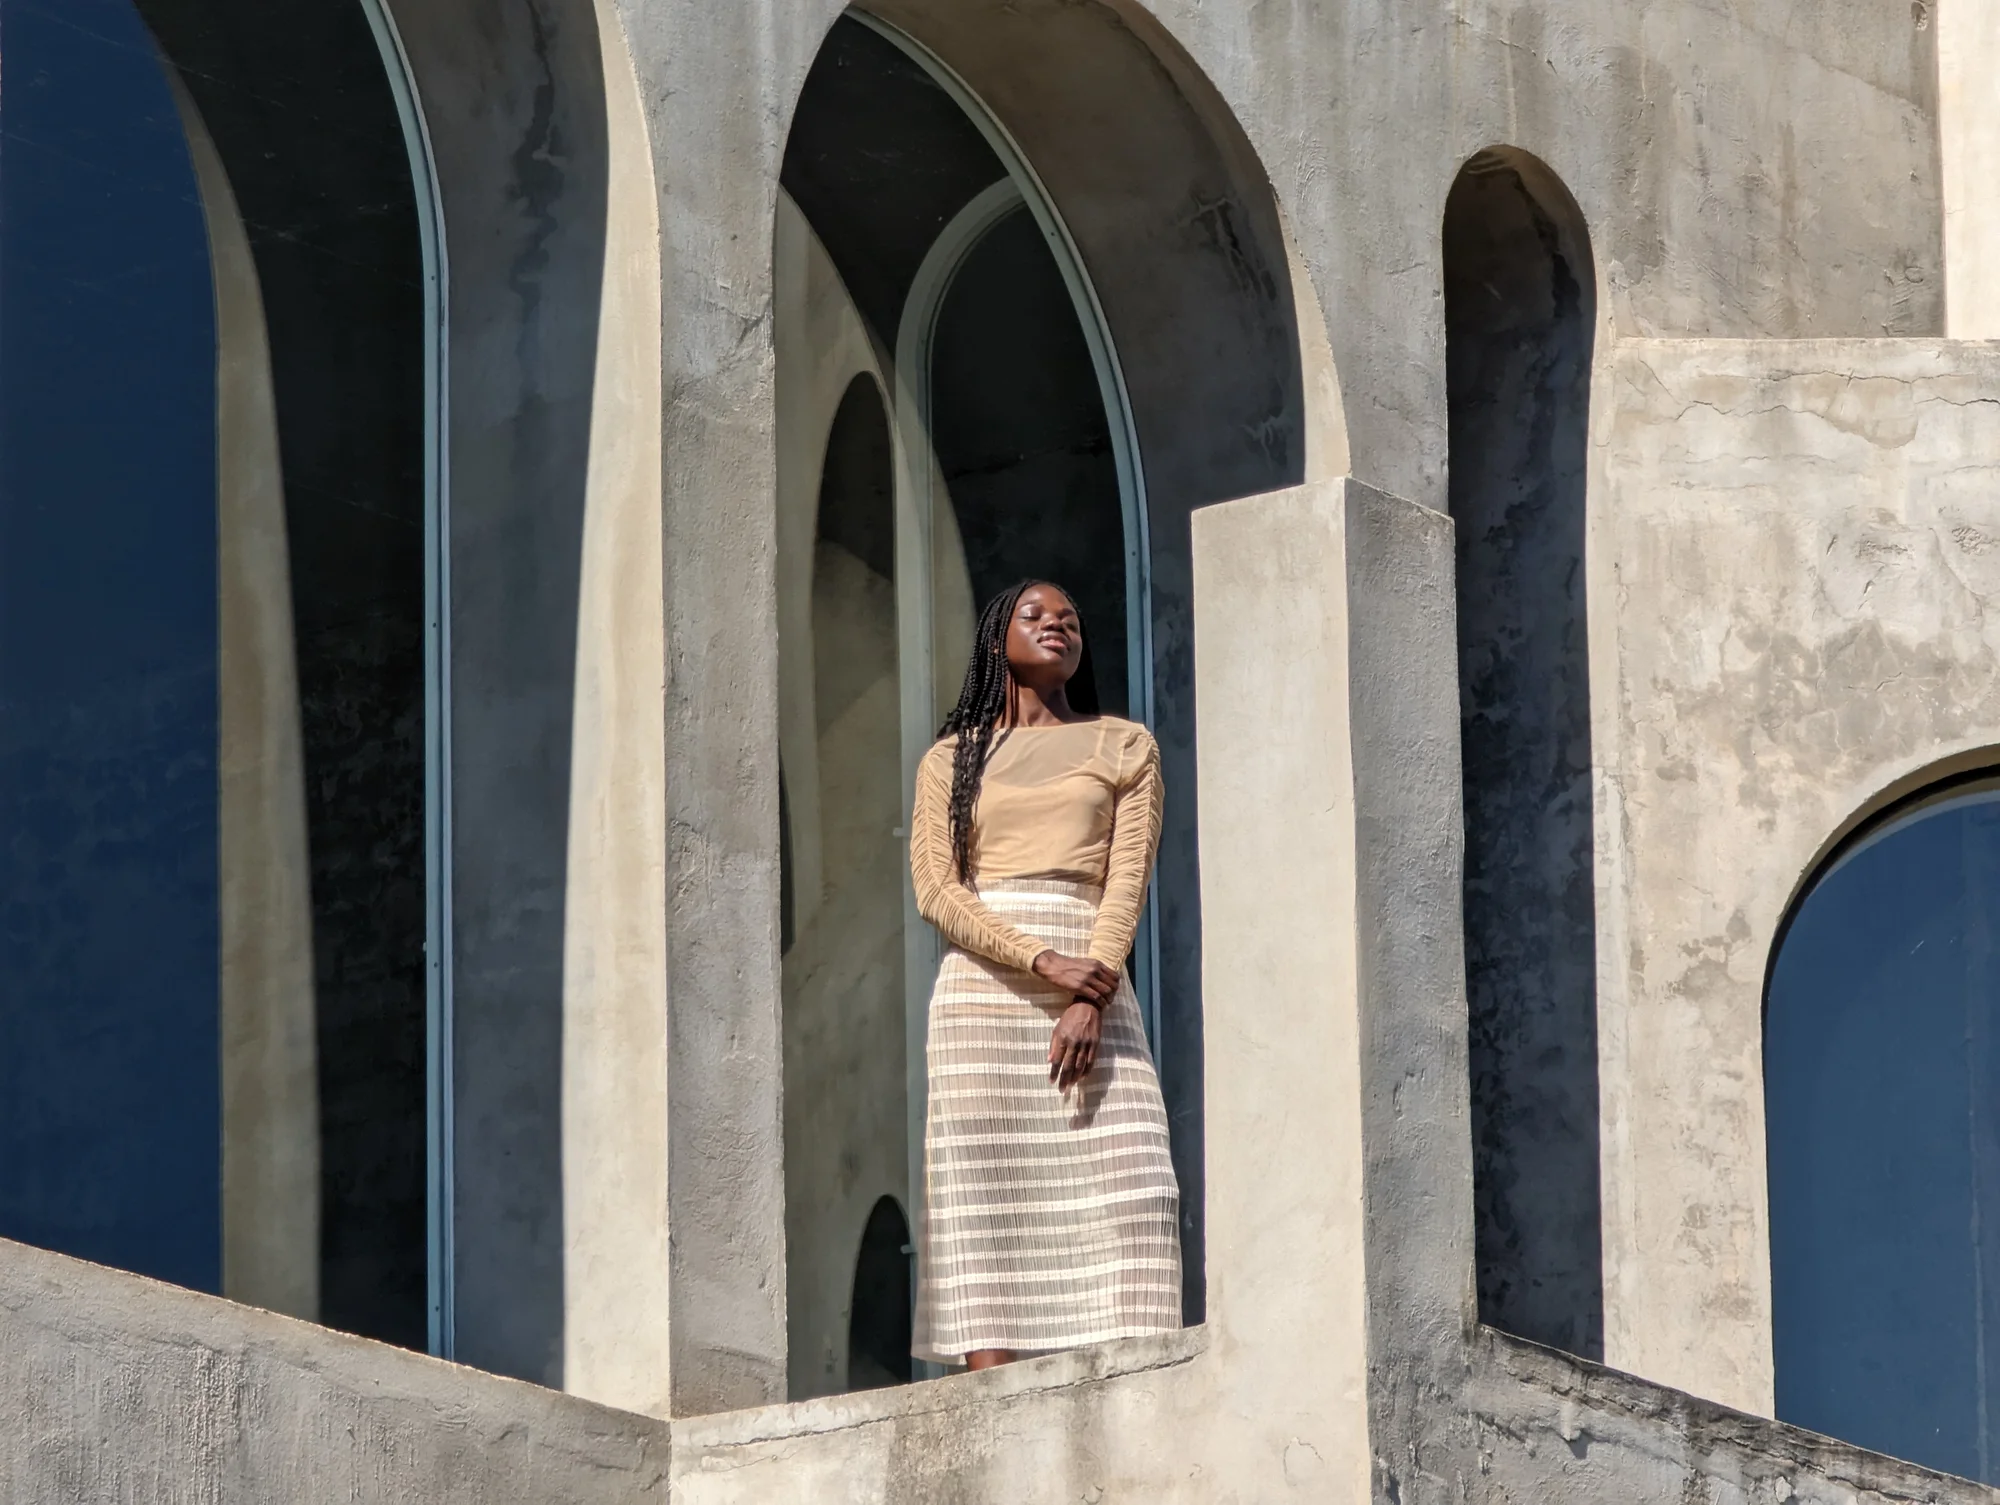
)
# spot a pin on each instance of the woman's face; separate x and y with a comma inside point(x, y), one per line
point(1045, 639)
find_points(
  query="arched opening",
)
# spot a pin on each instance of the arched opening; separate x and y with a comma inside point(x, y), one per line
point(215, 499)
point(1520, 322)
point(1881, 1060)
point(878, 1323)
point(985, 207)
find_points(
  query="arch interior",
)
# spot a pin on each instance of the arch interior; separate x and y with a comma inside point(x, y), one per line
point(213, 666)
point(1000, 423)
point(1520, 324)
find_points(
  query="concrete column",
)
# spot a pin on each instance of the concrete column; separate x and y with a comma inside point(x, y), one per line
point(1286, 1268)
point(270, 1086)
point(717, 84)
point(616, 1342)
point(560, 885)
point(1969, 127)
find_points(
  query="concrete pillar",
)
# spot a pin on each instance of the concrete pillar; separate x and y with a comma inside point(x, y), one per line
point(560, 895)
point(1286, 1266)
point(1969, 125)
point(270, 1087)
point(616, 1343)
point(717, 82)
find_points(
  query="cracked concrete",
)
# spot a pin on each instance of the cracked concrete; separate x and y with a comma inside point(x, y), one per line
point(1794, 539)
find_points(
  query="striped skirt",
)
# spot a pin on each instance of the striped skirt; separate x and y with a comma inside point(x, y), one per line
point(1050, 1219)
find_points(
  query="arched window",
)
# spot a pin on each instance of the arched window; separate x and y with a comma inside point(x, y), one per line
point(1074, 289)
point(934, 270)
point(1519, 327)
point(217, 482)
point(1881, 1065)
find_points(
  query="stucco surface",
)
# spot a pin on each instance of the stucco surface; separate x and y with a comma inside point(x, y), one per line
point(115, 1388)
point(1796, 550)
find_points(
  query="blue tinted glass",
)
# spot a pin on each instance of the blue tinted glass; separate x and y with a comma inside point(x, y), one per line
point(1885, 1171)
point(109, 1071)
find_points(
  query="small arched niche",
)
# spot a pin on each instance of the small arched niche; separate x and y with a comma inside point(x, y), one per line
point(1881, 1065)
point(1001, 194)
point(1520, 323)
point(878, 1313)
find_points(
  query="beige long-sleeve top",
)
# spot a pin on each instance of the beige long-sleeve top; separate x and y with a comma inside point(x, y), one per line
point(1079, 803)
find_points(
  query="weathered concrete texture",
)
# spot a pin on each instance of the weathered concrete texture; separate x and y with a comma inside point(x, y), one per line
point(1710, 152)
point(116, 1388)
point(1345, 597)
point(1711, 149)
point(1969, 136)
point(560, 837)
point(1540, 1426)
point(1798, 552)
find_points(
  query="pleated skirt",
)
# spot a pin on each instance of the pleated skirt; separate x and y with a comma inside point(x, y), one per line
point(1051, 1219)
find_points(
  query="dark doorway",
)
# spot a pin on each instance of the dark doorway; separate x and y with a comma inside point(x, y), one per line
point(1520, 321)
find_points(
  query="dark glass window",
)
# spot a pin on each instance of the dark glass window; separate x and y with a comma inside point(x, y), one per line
point(1879, 1079)
point(212, 781)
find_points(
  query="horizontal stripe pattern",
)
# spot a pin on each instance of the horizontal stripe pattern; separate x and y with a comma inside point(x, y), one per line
point(1051, 1219)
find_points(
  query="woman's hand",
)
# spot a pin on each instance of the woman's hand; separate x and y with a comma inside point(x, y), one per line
point(1078, 976)
point(1073, 1050)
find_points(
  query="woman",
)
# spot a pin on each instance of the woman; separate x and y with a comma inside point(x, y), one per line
point(1051, 1214)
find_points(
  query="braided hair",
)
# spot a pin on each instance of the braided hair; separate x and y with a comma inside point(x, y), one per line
point(987, 696)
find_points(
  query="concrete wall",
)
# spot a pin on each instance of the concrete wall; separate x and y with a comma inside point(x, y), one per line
point(1709, 152)
point(1341, 1360)
point(1340, 1357)
point(560, 833)
point(330, 219)
point(1798, 558)
point(117, 1388)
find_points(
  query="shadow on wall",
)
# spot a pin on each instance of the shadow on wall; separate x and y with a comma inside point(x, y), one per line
point(1520, 323)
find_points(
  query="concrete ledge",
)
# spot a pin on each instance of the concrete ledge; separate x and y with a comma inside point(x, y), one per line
point(834, 1413)
point(114, 1387)
point(1593, 1428)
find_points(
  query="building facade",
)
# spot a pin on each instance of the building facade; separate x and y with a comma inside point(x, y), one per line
point(492, 499)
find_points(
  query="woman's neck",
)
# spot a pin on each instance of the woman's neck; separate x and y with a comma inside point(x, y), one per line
point(1028, 706)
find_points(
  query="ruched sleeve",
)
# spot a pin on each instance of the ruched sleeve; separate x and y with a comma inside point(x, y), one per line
point(956, 910)
point(1135, 838)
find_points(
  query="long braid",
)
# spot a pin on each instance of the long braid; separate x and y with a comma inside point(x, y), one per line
point(981, 703)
